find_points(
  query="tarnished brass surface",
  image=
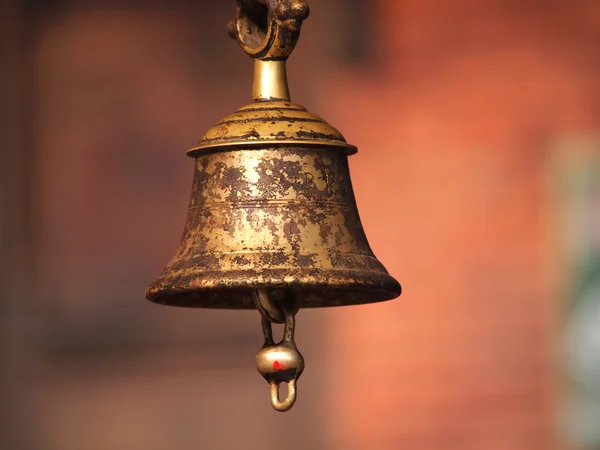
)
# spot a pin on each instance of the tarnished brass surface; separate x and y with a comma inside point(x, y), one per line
point(273, 217)
point(272, 221)
point(268, 29)
point(270, 123)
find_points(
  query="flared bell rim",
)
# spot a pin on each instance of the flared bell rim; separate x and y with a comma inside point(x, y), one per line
point(230, 290)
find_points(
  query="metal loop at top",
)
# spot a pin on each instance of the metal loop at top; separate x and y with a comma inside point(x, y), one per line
point(268, 29)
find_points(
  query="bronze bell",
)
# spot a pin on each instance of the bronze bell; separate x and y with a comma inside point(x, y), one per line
point(272, 221)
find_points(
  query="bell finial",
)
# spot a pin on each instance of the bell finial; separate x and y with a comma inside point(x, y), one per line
point(268, 31)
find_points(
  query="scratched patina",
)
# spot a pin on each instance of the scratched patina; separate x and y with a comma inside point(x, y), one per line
point(279, 217)
point(269, 123)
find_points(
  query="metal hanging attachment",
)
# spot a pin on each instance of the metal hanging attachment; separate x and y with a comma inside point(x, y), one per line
point(279, 362)
point(272, 216)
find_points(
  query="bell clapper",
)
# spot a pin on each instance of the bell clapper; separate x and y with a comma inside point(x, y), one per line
point(279, 362)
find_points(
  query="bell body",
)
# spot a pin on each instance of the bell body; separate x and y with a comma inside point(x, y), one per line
point(272, 207)
point(278, 217)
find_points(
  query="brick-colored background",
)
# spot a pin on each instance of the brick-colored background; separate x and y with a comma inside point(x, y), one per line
point(457, 127)
point(457, 108)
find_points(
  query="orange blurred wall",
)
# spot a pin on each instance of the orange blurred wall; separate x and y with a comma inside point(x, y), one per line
point(456, 121)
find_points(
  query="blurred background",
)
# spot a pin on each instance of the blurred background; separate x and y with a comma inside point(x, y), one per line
point(478, 183)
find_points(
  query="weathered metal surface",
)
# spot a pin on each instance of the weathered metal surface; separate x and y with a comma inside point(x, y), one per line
point(271, 123)
point(268, 29)
point(273, 217)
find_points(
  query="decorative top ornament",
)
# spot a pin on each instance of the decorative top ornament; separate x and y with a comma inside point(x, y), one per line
point(268, 29)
